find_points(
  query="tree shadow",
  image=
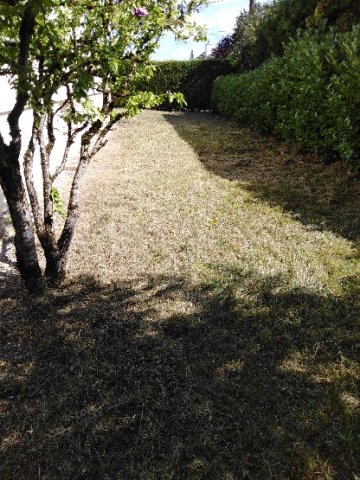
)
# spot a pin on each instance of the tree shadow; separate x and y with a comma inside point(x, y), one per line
point(238, 377)
point(323, 196)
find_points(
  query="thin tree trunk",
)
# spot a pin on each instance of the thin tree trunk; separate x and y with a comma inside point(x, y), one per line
point(26, 255)
point(59, 267)
point(55, 270)
point(45, 237)
point(10, 176)
point(251, 5)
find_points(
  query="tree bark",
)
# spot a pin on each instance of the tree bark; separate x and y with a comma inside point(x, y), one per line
point(27, 261)
point(55, 271)
point(251, 6)
point(10, 176)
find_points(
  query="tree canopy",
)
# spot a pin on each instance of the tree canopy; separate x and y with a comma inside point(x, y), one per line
point(264, 30)
point(76, 46)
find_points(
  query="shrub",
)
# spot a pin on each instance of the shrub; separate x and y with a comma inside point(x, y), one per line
point(193, 78)
point(310, 95)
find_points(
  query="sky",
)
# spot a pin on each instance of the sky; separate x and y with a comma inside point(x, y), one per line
point(219, 17)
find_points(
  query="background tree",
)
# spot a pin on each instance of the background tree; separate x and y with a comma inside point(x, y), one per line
point(280, 22)
point(342, 14)
point(264, 30)
point(242, 41)
point(78, 46)
point(222, 48)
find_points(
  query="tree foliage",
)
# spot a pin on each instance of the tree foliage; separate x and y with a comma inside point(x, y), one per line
point(222, 48)
point(77, 47)
point(242, 48)
point(268, 28)
point(280, 22)
point(342, 14)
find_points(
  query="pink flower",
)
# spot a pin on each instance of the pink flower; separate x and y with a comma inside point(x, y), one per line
point(140, 12)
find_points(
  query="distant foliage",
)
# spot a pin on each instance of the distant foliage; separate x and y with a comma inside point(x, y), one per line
point(262, 33)
point(193, 78)
point(280, 23)
point(222, 48)
point(243, 40)
point(343, 14)
point(310, 95)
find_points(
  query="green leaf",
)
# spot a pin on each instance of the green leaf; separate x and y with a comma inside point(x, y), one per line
point(58, 206)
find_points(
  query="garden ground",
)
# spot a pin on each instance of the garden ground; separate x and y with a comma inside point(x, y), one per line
point(209, 326)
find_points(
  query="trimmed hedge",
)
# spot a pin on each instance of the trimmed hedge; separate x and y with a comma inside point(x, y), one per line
point(193, 78)
point(310, 95)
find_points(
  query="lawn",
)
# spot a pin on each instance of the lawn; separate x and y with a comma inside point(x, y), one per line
point(209, 328)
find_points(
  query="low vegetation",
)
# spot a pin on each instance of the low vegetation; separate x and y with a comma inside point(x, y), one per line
point(209, 324)
point(311, 95)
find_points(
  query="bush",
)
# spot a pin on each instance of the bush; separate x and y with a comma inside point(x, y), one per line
point(310, 95)
point(193, 78)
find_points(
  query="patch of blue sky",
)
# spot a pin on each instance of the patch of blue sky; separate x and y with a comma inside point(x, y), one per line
point(219, 19)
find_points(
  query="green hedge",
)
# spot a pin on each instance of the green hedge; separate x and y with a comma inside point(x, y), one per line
point(310, 95)
point(193, 78)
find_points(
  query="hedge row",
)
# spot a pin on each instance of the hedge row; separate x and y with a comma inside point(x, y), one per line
point(310, 95)
point(193, 78)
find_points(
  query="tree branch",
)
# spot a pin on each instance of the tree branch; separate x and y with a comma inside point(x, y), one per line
point(44, 157)
point(101, 140)
point(61, 106)
point(71, 135)
point(25, 34)
point(73, 205)
point(29, 178)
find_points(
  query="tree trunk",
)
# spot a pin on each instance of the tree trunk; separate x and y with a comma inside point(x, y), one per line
point(27, 261)
point(55, 271)
point(251, 5)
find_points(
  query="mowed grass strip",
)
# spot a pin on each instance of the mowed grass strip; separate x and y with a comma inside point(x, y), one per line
point(209, 327)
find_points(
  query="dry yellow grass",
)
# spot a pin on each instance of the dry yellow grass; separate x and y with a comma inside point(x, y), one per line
point(159, 210)
point(209, 327)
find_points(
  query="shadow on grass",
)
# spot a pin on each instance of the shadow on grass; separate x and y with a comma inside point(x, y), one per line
point(320, 195)
point(237, 378)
